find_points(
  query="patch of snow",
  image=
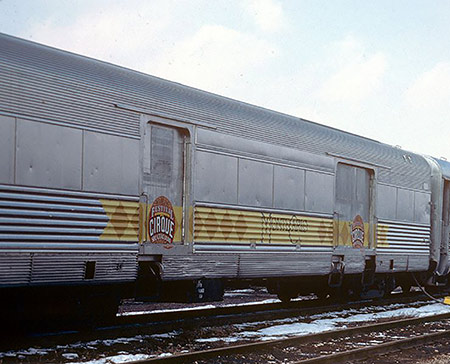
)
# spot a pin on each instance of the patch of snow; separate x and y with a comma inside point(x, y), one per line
point(163, 355)
point(166, 335)
point(330, 321)
point(70, 356)
point(116, 359)
point(206, 307)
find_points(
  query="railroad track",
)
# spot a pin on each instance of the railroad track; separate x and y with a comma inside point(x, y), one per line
point(191, 322)
point(395, 335)
point(166, 320)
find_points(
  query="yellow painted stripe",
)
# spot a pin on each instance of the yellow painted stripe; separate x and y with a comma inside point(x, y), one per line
point(239, 226)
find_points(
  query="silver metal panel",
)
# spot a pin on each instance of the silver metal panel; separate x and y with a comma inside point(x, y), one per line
point(354, 263)
point(279, 265)
point(164, 163)
point(403, 238)
point(422, 207)
point(266, 151)
point(383, 263)
point(41, 216)
point(48, 155)
point(417, 263)
point(7, 148)
point(69, 247)
point(405, 205)
point(116, 267)
point(226, 247)
point(386, 202)
point(246, 265)
point(83, 195)
point(15, 268)
point(352, 192)
point(255, 183)
point(354, 259)
point(111, 164)
point(59, 267)
point(41, 82)
point(199, 266)
point(319, 192)
point(216, 178)
point(289, 188)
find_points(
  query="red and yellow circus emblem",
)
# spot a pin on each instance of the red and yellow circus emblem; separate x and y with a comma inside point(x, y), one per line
point(357, 234)
point(162, 223)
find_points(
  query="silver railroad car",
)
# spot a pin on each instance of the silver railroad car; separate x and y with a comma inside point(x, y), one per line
point(109, 175)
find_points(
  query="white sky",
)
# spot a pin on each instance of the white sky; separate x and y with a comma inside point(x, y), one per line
point(375, 68)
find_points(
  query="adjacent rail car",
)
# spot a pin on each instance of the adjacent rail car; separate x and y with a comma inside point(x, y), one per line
point(110, 177)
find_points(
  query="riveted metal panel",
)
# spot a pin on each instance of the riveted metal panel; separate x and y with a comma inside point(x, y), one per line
point(386, 202)
point(405, 205)
point(255, 183)
point(289, 188)
point(216, 178)
point(111, 164)
point(7, 147)
point(48, 155)
point(319, 192)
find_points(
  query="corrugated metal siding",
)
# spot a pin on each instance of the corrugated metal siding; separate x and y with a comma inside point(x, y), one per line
point(198, 266)
point(47, 236)
point(260, 265)
point(42, 82)
point(61, 268)
point(397, 238)
point(15, 269)
point(245, 265)
point(19, 269)
point(43, 215)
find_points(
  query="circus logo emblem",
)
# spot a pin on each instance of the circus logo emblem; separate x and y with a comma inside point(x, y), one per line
point(357, 234)
point(162, 224)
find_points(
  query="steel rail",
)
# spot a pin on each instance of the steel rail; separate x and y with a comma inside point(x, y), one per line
point(300, 340)
point(384, 348)
point(259, 309)
point(167, 320)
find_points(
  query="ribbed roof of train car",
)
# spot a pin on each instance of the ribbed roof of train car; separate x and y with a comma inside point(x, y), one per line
point(43, 82)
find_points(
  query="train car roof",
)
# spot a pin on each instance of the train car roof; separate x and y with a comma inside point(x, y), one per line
point(41, 82)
